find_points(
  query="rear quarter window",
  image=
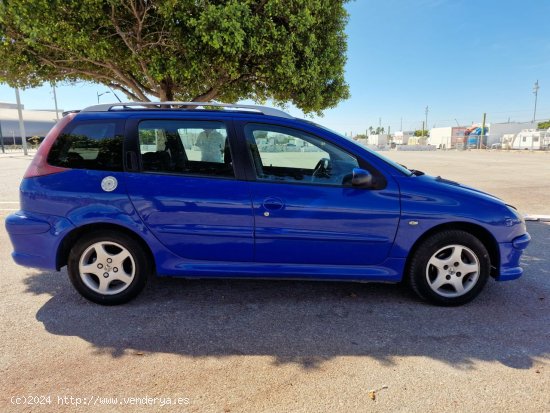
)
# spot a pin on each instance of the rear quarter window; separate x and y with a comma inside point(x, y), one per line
point(90, 145)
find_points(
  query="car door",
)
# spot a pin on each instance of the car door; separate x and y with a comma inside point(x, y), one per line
point(187, 191)
point(306, 215)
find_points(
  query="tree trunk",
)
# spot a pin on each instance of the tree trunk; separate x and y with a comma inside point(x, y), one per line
point(207, 96)
point(166, 92)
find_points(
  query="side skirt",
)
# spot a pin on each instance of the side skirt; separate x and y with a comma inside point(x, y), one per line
point(391, 270)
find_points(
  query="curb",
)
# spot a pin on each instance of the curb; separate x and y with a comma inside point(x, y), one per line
point(542, 218)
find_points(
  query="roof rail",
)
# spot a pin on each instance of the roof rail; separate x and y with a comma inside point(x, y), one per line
point(65, 113)
point(185, 105)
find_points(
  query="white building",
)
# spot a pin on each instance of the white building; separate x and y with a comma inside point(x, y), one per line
point(402, 138)
point(446, 137)
point(417, 141)
point(378, 140)
point(37, 123)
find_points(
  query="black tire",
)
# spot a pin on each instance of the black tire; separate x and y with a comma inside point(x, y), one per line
point(436, 275)
point(134, 267)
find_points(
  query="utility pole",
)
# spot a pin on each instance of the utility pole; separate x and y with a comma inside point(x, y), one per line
point(422, 128)
point(427, 110)
point(536, 88)
point(21, 123)
point(2, 139)
point(401, 123)
point(482, 130)
point(55, 102)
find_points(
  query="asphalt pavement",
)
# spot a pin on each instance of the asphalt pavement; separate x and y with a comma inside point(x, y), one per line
point(280, 346)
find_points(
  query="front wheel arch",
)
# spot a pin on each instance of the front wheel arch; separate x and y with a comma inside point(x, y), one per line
point(477, 231)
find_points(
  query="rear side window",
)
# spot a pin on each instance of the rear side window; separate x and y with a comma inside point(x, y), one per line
point(90, 145)
point(185, 147)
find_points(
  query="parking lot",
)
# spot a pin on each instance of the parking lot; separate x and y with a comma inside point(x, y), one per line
point(257, 346)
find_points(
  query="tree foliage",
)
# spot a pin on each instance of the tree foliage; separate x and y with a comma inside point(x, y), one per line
point(544, 125)
point(285, 50)
point(421, 132)
point(376, 131)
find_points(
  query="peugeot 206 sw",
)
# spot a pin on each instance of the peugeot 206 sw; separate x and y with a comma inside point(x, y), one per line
point(120, 191)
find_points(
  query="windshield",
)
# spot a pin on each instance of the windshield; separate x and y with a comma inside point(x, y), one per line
point(388, 161)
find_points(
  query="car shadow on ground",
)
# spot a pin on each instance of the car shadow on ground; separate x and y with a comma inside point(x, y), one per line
point(311, 322)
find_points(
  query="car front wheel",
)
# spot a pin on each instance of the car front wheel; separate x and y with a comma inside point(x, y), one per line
point(108, 269)
point(449, 268)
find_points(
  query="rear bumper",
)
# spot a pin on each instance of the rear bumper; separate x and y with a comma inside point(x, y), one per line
point(36, 238)
point(510, 254)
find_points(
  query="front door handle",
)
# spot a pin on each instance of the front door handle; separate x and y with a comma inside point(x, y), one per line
point(273, 204)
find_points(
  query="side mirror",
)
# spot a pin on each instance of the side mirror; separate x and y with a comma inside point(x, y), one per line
point(361, 178)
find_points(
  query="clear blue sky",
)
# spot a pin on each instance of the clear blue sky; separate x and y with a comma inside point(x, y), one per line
point(459, 57)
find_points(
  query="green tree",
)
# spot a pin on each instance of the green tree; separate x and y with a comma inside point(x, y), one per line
point(34, 141)
point(419, 132)
point(200, 50)
point(378, 131)
point(544, 125)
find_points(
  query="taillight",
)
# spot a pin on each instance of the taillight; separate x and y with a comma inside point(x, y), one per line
point(39, 165)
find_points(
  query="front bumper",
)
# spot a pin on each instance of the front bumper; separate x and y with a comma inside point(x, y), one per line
point(36, 238)
point(510, 254)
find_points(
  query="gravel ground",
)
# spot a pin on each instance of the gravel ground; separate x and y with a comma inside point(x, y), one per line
point(258, 346)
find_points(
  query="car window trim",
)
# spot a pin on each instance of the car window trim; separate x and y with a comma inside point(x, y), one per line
point(228, 178)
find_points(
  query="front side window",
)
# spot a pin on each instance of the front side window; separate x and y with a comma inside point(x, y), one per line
point(185, 147)
point(287, 155)
point(92, 145)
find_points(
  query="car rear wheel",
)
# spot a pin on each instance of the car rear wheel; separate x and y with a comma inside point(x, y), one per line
point(449, 268)
point(108, 269)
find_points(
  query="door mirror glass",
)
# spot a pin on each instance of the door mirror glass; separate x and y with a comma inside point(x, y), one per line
point(361, 178)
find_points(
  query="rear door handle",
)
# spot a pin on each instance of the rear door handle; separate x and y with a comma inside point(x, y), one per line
point(273, 204)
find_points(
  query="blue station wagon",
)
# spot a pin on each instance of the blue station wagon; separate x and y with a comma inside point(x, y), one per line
point(122, 191)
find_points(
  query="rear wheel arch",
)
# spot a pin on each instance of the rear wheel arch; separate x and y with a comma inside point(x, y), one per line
point(70, 239)
point(478, 231)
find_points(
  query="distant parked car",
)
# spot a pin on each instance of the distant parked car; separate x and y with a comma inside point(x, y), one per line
point(118, 192)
